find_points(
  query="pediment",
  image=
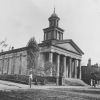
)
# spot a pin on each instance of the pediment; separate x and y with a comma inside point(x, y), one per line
point(69, 47)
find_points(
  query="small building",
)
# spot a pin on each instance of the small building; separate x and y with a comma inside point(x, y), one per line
point(87, 70)
point(64, 54)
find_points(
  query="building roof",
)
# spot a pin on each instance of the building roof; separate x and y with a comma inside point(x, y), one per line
point(67, 45)
point(51, 28)
point(72, 43)
point(14, 51)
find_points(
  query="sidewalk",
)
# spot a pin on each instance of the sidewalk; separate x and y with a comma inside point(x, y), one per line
point(6, 85)
point(10, 85)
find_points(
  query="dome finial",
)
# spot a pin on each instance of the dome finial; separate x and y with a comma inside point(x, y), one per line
point(54, 6)
point(54, 13)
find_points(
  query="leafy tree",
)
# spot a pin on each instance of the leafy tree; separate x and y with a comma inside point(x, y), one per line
point(33, 54)
point(39, 71)
point(49, 69)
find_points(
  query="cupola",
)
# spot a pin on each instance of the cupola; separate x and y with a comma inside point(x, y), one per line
point(53, 32)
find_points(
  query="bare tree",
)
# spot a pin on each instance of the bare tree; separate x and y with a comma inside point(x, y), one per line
point(3, 44)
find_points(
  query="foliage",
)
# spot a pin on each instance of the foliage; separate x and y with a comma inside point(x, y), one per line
point(49, 68)
point(39, 71)
point(25, 79)
point(43, 80)
point(33, 44)
point(33, 54)
point(90, 72)
point(15, 78)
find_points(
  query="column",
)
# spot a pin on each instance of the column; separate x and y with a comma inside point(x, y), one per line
point(79, 65)
point(64, 73)
point(67, 67)
point(51, 60)
point(75, 68)
point(70, 66)
point(64, 67)
point(58, 65)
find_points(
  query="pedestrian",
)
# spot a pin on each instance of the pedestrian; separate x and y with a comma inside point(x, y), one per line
point(91, 82)
point(94, 83)
point(30, 79)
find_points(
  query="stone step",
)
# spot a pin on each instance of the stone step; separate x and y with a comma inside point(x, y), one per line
point(73, 82)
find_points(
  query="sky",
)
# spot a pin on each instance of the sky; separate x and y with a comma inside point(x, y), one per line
point(22, 19)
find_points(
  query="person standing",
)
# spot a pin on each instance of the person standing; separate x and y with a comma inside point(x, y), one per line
point(30, 78)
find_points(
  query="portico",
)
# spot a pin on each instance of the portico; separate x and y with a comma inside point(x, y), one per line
point(68, 64)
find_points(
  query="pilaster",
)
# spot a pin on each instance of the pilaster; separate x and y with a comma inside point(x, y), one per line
point(13, 64)
point(8, 66)
point(2, 64)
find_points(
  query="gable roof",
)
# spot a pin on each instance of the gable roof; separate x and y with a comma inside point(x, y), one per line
point(69, 45)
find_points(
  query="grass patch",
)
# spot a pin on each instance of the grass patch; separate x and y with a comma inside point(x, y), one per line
point(31, 94)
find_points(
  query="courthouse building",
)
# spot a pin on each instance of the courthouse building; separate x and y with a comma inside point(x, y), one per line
point(64, 54)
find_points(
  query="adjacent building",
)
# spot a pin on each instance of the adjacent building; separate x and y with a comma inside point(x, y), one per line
point(87, 70)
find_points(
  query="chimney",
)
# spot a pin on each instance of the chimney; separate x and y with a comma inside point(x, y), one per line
point(89, 62)
point(12, 48)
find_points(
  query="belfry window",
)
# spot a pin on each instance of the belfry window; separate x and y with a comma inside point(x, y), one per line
point(49, 35)
point(44, 36)
point(57, 35)
point(61, 36)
